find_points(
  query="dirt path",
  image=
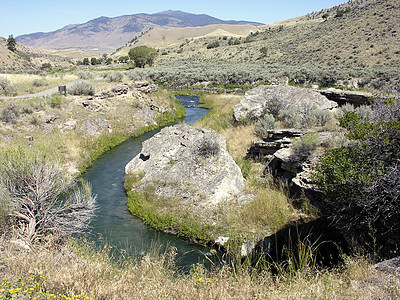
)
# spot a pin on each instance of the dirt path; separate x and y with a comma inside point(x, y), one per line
point(45, 93)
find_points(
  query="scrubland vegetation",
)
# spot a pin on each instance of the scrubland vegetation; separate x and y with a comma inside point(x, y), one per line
point(79, 270)
point(46, 139)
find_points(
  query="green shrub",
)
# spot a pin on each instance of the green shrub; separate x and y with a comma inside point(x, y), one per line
point(361, 181)
point(306, 143)
point(39, 82)
point(321, 116)
point(55, 101)
point(264, 124)
point(113, 76)
point(84, 75)
point(82, 88)
point(11, 90)
point(291, 117)
point(10, 113)
point(213, 45)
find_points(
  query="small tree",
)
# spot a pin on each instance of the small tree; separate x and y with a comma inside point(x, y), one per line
point(11, 43)
point(325, 16)
point(142, 55)
point(46, 66)
point(264, 51)
point(93, 61)
point(109, 61)
point(213, 45)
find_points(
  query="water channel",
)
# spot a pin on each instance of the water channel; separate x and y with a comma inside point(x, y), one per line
point(113, 222)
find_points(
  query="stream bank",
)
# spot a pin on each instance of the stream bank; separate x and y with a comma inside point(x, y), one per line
point(113, 222)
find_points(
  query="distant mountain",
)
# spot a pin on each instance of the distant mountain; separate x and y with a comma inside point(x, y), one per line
point(106, 34)
point(202, 20)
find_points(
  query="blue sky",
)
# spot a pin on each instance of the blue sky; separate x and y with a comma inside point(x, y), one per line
point(27, 16)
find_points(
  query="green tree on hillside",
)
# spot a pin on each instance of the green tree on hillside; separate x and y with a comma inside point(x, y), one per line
point(11, 43)
point(142, 55)
point(264, 51)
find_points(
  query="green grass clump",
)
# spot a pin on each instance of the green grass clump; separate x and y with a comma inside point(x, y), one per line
point(152, 210)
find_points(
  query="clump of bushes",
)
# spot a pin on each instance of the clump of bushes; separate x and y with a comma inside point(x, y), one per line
point(82, 88)
point(7, 88)
point(113, 76)
point(84, 75)
point(213, 45)
point(304, 117)
point(10, 113)
point(362, 180)
point(306, 143)
point(39, 82)
point(55, 101)
point(267, 122)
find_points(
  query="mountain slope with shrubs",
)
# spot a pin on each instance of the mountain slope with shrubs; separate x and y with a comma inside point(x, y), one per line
point(354, 45)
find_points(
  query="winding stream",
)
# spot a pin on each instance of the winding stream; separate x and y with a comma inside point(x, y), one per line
point(113, 222)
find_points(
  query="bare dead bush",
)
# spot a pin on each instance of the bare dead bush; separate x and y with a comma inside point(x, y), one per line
point(41, 200)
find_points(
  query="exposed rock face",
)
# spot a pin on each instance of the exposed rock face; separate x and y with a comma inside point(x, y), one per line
point(263, 99)
point(145, 87)
point(118, 90)
point(327, 241)
point(278, 139)
point(190, 164)
point(95, 125)
point(391, 266)
point(287, 165)
point(339, 96)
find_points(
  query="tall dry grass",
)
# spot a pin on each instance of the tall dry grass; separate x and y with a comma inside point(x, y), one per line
point(78, 268)
point(28, 83)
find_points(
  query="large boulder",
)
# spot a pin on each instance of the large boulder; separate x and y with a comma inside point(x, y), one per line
point(267, 98)
point(188, 164)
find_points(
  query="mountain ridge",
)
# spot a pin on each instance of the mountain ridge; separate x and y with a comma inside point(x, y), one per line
point(105, 34)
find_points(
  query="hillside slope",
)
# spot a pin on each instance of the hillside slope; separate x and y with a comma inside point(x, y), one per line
point(174, 37)
point(367, 34)
point(354, 45)
point(106, 34)
point(10, 61)
point(28, 59)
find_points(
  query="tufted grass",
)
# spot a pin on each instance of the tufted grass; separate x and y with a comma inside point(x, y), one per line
point(82, 270)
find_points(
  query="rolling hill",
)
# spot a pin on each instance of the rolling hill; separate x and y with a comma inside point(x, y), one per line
point(105, 34)
point(363, 33)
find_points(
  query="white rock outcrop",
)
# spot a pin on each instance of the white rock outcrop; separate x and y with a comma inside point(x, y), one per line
point(190, 164)
point(263, 99)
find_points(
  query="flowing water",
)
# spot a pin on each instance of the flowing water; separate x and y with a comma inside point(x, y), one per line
point(113, 222)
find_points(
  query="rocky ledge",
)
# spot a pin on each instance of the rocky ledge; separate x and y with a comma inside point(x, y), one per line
point(353, 97)
point(189, 164)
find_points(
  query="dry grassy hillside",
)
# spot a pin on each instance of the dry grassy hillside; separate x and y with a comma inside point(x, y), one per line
point(10, 60)
point(358, 34)
point(174, 37)
point(365, 35)
point(28, 59)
